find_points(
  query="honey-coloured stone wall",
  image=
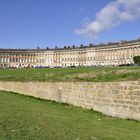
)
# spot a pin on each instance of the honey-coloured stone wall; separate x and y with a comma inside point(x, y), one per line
point(117, 99)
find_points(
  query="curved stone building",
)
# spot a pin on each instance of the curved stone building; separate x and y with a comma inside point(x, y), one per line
point(111, 54)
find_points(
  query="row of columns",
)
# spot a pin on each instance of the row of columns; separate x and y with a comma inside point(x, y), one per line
point(97, 57)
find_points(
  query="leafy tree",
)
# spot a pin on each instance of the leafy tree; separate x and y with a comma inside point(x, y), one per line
point(91, 45)
point(81, 46)
point(136, 60)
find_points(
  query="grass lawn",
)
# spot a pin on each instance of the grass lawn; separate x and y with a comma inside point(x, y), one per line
point(27, 118)
point(97, 74)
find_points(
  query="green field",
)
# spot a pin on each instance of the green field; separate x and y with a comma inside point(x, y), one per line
point(96, 74)
point(27, 118)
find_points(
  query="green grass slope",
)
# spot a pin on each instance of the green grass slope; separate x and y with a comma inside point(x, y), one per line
point(97, 74)
point(26, 118)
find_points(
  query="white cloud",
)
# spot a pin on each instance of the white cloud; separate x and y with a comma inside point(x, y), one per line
point(113, 14)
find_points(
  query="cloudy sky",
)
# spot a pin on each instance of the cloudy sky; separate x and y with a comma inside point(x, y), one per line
point(32, 23)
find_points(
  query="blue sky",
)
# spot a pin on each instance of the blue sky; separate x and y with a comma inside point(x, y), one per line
point(32, 23)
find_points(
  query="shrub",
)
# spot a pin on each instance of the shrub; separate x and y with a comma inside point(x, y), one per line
point(136, 60)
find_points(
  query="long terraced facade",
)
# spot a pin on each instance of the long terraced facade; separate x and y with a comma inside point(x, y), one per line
point(111, 54)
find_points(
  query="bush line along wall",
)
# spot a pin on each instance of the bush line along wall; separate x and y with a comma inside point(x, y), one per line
point(117, 99)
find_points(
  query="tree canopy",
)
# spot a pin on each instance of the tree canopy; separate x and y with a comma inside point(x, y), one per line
point(136, 60)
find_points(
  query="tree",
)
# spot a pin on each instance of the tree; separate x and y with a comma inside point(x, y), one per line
point(136, 60)
point(91, 45)
point(81, 46)
point(73, 46)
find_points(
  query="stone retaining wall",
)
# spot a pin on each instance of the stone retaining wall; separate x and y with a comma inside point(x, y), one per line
point(117, 99)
